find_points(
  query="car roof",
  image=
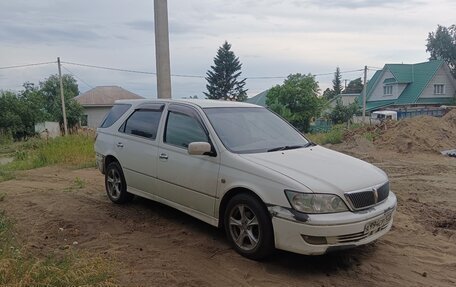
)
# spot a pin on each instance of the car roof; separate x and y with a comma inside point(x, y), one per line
point(196, 102)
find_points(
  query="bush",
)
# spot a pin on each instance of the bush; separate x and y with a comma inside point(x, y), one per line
point(333, 136)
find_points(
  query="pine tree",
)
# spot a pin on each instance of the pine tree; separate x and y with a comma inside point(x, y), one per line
point(337, 82)
point(223, 77)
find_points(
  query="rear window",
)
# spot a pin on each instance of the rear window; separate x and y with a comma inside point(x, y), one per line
point(114, 114)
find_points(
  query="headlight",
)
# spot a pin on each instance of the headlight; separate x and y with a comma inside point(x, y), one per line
point(315, 203)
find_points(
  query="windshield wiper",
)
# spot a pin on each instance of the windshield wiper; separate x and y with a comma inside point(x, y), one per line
point(286, 147)
point(310, 144)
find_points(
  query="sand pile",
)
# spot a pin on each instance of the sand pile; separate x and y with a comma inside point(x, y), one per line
point(420, 134)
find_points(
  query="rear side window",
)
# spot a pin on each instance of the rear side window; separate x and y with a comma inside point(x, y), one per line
point(114, 114)
point(143, 123)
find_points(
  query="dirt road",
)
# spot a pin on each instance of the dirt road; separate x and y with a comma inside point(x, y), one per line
point(157, 246)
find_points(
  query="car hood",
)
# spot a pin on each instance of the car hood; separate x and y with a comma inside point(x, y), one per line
point(320, 169)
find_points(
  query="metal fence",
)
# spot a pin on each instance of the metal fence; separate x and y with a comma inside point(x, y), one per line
point(421, 112)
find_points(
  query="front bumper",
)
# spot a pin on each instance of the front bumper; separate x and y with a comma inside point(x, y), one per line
point(315, 234)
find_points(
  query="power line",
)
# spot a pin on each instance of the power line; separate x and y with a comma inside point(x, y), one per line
point(193, 76)
point(110, 68)
point(26, 65)
point(79, 78)
point(154, 73)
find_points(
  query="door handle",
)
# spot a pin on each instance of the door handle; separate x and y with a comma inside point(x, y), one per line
point(163, 156)
point(119, 144)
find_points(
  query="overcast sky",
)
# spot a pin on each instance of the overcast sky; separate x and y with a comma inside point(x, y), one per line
point(271, 38)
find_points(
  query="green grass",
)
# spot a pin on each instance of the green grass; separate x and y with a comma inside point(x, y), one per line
point(340, 133)
point(77, 183)
point(21, 268)
point(74, 151)
point(333, 136)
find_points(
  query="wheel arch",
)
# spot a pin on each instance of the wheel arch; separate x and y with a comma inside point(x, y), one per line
point(108, 159)
point(232, 193)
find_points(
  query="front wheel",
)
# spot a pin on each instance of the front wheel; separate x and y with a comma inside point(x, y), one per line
point(248, 227)
point(116, 186)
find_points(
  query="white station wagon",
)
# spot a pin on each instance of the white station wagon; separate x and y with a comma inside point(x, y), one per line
point(243, 168)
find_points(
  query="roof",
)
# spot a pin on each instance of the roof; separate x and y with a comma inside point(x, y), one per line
point(197, 102)
point(104, 96)
point(339, 96)
point(390, 81)
point(416, 76)
point(422, 74)
point(259, 99)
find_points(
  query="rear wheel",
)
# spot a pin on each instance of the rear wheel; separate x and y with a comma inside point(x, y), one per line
point(248, 227)
point(116, 186)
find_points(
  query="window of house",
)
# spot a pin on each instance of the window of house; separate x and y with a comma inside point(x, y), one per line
point(142, 123)
point(84, 120)
point(182, 129)
point(439, 89)
point(388, 90)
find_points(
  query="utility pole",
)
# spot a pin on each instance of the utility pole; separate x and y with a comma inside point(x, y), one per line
point(162, 49)
point(364, 94)
point(65, 124)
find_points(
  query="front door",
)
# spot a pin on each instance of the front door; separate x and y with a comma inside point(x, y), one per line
point(188, 180)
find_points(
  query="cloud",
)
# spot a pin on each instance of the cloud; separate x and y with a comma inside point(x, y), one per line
point(29, 34)
point(143, 25)
point(356, 4)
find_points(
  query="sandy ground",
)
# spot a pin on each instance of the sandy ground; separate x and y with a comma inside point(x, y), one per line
point(157, 246)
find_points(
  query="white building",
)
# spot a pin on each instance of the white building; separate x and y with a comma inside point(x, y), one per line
point(98, 101)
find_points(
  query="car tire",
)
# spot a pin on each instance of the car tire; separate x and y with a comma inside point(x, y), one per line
point(115, 184)
point(248, 227)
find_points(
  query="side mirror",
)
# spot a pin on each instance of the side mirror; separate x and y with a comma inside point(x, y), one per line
point(199, 148)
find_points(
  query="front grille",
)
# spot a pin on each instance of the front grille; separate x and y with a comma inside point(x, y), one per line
point(367, 198)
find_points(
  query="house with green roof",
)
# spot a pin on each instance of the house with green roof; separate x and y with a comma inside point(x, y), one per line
point(398, 86)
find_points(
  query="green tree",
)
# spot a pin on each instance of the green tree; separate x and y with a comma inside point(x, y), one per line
point(354, 87)
point(342, 114)
point(297, 100)
point(50, 88)
point(10, 119)
point(337, 89)
point(222, 79)
point(442, 45)
point(337, 82)
point(328, 94)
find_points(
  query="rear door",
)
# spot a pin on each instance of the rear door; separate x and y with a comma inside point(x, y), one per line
point(137, 147)
point(188, 180)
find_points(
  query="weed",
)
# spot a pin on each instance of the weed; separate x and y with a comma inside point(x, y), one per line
point(79, 183)
point(6, 175)
point(72, 151)
point(2, 196)
point(20, 268)
point(333, 136)
point(20, 155)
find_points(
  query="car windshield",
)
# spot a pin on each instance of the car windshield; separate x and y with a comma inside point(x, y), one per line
point(253, 130)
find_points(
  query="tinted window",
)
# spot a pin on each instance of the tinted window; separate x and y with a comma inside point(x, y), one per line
point(183, 129)
point(143, 123)
point(114, 114)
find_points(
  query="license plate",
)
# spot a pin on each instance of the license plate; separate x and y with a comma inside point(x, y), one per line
point(375, 225)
